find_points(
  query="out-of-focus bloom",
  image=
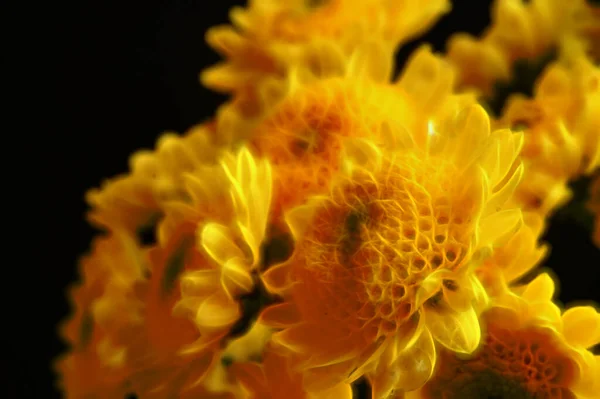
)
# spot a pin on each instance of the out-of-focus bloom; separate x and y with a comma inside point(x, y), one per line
point(383, 265)
point(275, 378)
point(529, 350)
point(269, 37)
point(561, 124)
point(170, 354)
point(133, 202)
point(594, 206)
point(520, 31)
point(97, 364)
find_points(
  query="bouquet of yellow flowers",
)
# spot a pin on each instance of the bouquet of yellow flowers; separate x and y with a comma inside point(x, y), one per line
point(333, 223)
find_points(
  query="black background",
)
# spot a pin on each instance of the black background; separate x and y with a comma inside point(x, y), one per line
point(104, 79)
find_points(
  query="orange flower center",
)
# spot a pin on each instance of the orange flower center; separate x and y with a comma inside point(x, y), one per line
point(525, 364)
point(375, 240)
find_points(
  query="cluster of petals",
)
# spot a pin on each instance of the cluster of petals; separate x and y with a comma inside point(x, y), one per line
point(336, 222)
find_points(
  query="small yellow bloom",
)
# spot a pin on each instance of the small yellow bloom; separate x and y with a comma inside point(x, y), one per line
point(529, 350)
point(135, 200)
point(268, 38)
point(561, 124)
point(521, 31)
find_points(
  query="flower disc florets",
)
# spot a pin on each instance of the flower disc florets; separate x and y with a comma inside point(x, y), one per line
point(380, 235)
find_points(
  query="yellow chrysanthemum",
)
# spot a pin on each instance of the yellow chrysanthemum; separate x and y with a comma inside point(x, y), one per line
point(520, 31)
point(133, 201)
point(97, 361)
point(268, 37)
point(561, 124)
point(159, 349)
point(529, 351)
point(301, 135)
point(235, 243)
point(382, 266)
point(561, 120)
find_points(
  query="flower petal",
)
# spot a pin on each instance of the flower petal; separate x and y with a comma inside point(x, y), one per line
point(340, 391)
point(582, 326)
point(281, 315)
point(216, 311)
point(458, 331)
point(370, 60)
point(276, 278)
point(236, 277)
point(217, 242)
point(298, 219)
point(500, 227)
point(411, 369)
point(540, 289)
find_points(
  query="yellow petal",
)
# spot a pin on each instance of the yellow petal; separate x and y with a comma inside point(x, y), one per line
point(500, 227)
point(281, 315)
point(474, 129)
point(199, 282)
point(430, 286)
point(299, 218)
point(251, 185)
point(499, 198)
point(412, 369)
point(276, 278)
point(582, 326)
point(458, 331)
point(540, 289)
point(236, 277)
point(361, 152)
point(216, 312)
point(217, 241)
point(340, 391)
point(371, 61)
point(465, 292)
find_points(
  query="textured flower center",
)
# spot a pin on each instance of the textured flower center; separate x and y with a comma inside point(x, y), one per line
point(379, 236)
point(303, 137)
point(522, 364)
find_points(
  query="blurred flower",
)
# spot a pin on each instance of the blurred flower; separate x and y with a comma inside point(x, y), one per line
point(269, 37)
point(133, 202)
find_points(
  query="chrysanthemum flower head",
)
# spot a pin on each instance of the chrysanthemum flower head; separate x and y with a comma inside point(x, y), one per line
point(103, 306)
point(303, 133)
point(388, 254)
point(561, 127)
point(529, 350)
point(168, 353)
point(270, 37)
point(133, 202)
